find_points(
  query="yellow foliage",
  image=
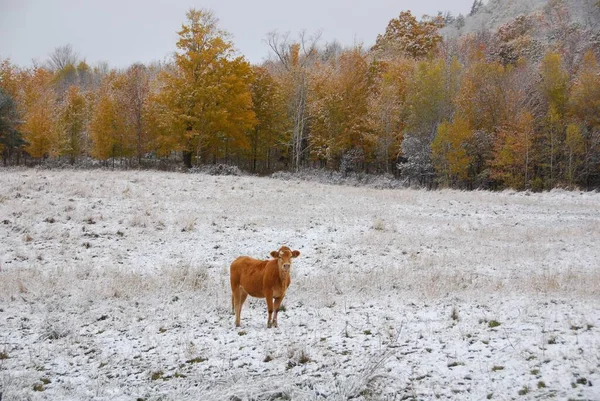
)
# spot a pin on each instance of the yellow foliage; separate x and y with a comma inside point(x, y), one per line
point(208, 95)
point(584, 101)
point(72, 121)
point(512, 153)
point(449, 150)
point(340, 109)
point(107, 126)
point(554, 83)
point(482, 96)
point(40, 120)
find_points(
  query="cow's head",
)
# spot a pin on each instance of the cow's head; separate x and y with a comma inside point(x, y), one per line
point(284, 257)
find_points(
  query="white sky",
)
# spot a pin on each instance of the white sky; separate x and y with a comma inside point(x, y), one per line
point(127, 31)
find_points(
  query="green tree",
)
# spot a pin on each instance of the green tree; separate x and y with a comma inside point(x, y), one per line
point(11, 140)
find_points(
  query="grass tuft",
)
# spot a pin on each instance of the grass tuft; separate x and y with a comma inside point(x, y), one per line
point(455, 364)
point(454, 314)
point(304, 357)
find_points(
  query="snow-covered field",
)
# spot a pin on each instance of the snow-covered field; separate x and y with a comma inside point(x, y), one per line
point(114, 286)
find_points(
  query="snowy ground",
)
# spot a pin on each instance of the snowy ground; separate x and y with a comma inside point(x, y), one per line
point(114, 286)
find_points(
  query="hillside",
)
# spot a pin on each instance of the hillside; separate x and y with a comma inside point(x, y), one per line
point(584, 14)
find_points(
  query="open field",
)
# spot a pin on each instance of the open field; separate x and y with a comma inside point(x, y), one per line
point(114, 286)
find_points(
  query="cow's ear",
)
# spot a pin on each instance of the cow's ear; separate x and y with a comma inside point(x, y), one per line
point(295, 254)
point(274, 254)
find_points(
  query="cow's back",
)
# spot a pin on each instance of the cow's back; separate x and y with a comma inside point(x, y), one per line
point(248, 273)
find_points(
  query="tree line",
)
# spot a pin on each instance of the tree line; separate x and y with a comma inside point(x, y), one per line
point(483, 110)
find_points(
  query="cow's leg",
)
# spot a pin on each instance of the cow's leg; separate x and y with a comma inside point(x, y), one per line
point(233, 302)
point(269, 297)
point(240, 299)
point(235, 296)
point(276, 310)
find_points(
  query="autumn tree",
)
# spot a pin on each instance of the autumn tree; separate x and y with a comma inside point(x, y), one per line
point(584, 114)
point(107, 125)
point(85, 76)
point(431, 90)
point(162, 126)
point(39, 103)
point(574, 152)
point(407, 36)
point(11, 78)
point(388, 111)
point(449, 151)
point(482, 95)
point(208, 93)
point(295, 59)
point(340, 111)
point(567, 35)
point(512, 161)
point(132, 96)
point(514, 42)
point(493, 98)
point(554, 90)
point(269, 107)
point(72, 122)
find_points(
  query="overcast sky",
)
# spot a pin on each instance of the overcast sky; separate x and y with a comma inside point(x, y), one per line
point(122, 32)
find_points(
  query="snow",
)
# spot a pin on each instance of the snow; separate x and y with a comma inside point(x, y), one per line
point(114, 286)
point(495, 13)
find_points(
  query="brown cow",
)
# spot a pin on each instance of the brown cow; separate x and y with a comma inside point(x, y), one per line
point(261, 279)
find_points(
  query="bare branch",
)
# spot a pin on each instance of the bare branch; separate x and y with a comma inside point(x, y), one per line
point(279, 44)
point(62, 56)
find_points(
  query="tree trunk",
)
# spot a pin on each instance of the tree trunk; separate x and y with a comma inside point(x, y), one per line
point(187, 159)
